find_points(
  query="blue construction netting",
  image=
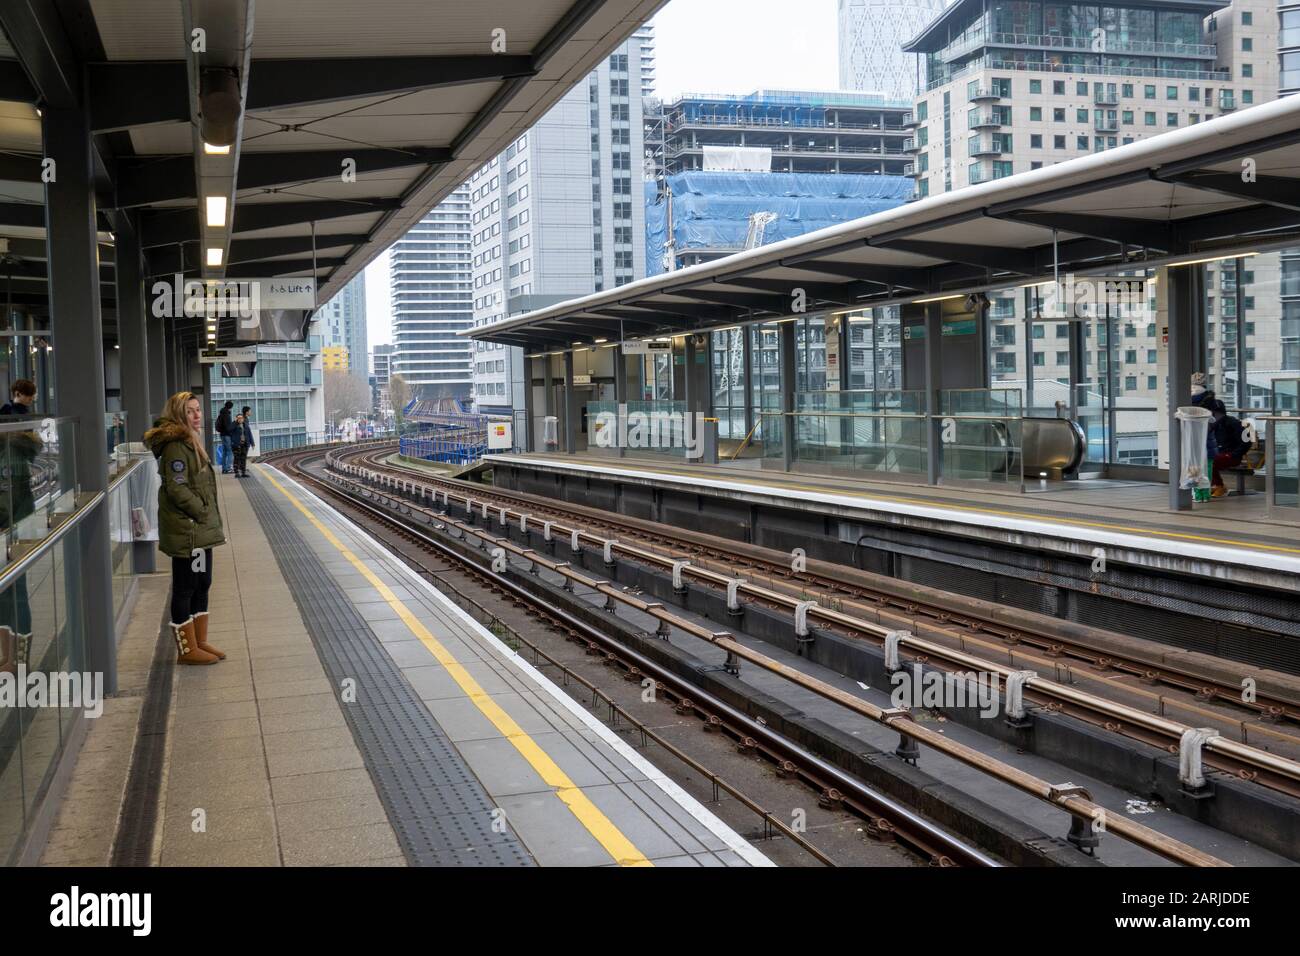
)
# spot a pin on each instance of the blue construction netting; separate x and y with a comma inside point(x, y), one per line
point(711, 210)
point(452, 439)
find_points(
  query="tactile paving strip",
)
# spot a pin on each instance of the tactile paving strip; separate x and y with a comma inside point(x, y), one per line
point(440, 812)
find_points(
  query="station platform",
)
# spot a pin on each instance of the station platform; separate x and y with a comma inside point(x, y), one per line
point(1228, 539)
point(362, 718)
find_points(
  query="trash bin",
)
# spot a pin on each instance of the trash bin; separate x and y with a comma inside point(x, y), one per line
point(1194, 469)
point(551, 433)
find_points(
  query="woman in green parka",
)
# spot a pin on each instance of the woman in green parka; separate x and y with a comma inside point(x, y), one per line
point(189, 522)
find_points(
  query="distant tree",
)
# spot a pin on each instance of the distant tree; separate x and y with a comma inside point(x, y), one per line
point(399, 395)
point(346, 396)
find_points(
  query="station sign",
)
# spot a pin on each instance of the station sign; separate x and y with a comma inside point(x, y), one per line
point(222, 356)
point(286, 293)
point(645, 347)
point(581, 379)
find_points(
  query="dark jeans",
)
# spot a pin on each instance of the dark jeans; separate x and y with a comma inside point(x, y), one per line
point(190, 587)
point(241, 460)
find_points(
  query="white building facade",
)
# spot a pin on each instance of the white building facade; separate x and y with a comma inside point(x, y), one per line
point(559, 214)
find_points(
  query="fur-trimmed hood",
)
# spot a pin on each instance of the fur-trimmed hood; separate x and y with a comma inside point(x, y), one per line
point(163, 433)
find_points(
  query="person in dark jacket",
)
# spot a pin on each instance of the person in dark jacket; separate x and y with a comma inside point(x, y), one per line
point(22, 398)
point(189, 522)
point(1230, 442)
point(18, 451)
point(241, 439)
point(222, 426)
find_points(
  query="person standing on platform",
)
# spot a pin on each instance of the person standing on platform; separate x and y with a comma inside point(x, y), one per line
point(222, 425)
point(189, 522)
point(241, 439)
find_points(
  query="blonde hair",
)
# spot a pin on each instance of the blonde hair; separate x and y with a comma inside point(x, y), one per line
point(174, 411)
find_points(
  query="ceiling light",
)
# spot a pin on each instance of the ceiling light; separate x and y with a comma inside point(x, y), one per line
point(212, 150)
point(941, 298)
point(600, 341)
point(216, 211)
point(1197, 262)
point(214, 256)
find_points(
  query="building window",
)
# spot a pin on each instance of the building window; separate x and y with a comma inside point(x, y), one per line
point(1171, 92)
point(1247, 70)
point(1081, 142)
point(1247, 44)
point(1150, 119)
point(1127, 117)
point(1149, 92)
point(1058, 87)
point(1035, 113)
point(1171, 119)
point(1081, 88)
point(1081, 116)
point(1035, 86)
point(1128, 90)
point(1058, 115)
point(1058, 142)
point(1035, 141)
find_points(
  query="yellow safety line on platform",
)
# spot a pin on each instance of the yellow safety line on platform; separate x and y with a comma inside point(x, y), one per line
point(931, 503)
point(609, 836)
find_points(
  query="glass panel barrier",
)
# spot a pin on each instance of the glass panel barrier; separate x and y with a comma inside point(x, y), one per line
point(116, 436)
point(980, 435)
point(658, 428)
point(1284, 466)
point(1286, 396)
point(37, 479)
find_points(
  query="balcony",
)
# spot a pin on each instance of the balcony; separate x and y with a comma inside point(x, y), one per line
point(1227, 101)
point(909, 121)
point(910, 145)
point(909, 169)
point(980, 174)
point(985, 96)
point(1106, 124)
point(985, 146)
point(1105, 97)
point(986, 121)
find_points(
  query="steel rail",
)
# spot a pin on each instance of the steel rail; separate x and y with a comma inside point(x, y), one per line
point(1071, 799)
point(1249, 757)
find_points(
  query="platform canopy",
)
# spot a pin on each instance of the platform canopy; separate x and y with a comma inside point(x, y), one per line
point(1216, 188)
point(343, 121)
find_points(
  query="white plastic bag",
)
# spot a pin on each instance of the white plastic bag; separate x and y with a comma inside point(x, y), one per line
point(1194, 423)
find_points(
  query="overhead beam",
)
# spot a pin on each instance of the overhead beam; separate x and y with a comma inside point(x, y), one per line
point(162, 228)
point(252, 250)
point(1005, 260)
point(152, 180)
point(763, 303)
point(126, 95)
point(122, 96)
point(1278, 191)
point(905, 276)
point(280, 267)
point(1132, 232)
point(36, 34)
point(821, 291)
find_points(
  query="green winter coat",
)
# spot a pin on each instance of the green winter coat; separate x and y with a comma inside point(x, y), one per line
point(188, 517)
point(18, 450)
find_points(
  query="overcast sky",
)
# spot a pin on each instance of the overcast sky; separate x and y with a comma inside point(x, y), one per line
point(706, 46)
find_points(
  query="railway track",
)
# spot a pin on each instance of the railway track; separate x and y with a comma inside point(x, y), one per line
point(884, 818)
point(1152, 701)
point(385, 502)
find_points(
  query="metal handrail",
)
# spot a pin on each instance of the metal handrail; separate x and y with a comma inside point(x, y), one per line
point(19, 567)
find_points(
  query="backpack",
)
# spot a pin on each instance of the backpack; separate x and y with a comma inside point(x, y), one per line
point(223, 422)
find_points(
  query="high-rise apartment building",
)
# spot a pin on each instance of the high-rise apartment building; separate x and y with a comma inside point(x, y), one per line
point(432, 299)
point(559, 214)
point(1014, 85)
point(644, 38)
point(1288, 46)
point(380, 368)
point(343, 324)
point(872, 34)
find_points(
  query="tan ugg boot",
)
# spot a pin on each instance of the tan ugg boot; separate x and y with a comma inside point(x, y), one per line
point(187, 649)
point(201, 635)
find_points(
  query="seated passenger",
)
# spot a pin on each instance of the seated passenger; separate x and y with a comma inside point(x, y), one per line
point(1229, 438)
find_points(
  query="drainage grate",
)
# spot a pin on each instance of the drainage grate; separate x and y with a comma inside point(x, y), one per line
point(134, 840)
point(440, 812)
